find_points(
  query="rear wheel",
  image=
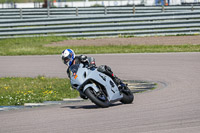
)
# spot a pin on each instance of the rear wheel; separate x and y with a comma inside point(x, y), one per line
point(128, 96)
point(98, 98)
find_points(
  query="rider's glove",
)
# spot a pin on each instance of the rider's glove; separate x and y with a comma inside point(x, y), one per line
point(83, 58)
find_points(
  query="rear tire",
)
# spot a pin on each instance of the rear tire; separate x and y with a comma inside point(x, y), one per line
point(128, 96)
point(91, 95)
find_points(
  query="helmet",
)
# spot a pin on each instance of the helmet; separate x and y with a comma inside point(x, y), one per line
point(68, 56)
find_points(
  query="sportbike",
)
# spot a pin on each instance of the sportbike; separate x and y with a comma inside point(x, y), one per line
point(98, 85)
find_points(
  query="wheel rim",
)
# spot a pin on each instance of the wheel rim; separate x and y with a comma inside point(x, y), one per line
point(99, 95)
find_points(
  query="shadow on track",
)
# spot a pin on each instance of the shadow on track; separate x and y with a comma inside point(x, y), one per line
point(89, 106)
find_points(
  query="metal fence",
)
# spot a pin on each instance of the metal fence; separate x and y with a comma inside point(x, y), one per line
point(98, 25)
point(63, 12)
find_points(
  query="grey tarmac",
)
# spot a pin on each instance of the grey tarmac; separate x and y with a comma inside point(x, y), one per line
point(172, 109)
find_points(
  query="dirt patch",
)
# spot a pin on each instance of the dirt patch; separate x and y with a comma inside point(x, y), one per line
point(160, 40)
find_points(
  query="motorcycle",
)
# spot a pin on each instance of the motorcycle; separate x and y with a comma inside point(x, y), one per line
point(98, 86)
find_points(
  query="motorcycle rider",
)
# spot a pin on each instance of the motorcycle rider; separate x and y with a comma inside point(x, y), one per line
point(69, 58)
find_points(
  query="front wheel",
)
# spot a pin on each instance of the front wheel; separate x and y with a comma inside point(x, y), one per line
point(128, 96)
point(98, 98)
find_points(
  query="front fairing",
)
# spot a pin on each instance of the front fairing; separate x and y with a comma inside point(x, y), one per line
point(73, 69)
point(79, 77)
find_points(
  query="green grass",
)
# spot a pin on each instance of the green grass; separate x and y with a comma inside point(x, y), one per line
point(17, 91)
point(36, 46)
point(28, 46)
point(22, 1)
point(29, 1)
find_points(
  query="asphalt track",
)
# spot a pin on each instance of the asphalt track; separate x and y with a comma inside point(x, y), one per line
point(174, 108)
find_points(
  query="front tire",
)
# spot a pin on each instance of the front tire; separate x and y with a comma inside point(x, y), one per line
point(128, 96)
point(91, 94)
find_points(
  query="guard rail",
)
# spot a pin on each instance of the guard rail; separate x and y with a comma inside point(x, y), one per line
point(60, 12)
point(104, 25)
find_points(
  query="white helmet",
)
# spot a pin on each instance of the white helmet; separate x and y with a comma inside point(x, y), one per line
point(68, 56)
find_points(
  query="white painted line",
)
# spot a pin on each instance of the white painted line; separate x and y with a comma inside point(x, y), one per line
point(74, 99)
point(34, 104)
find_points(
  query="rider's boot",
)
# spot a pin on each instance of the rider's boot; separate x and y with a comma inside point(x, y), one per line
point(119, 83)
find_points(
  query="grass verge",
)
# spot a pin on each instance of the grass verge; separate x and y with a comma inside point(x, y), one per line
point(36, 46)
point(17, 91)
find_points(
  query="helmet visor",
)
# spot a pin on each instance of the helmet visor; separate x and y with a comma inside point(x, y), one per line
point(66, 59)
